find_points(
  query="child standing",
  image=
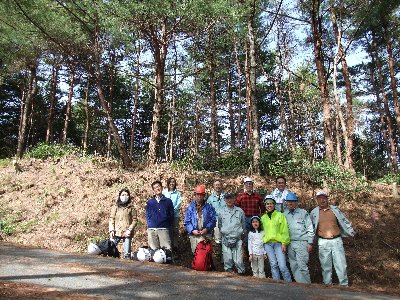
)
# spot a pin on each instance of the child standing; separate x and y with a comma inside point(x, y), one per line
point(231, 223)
point(123, 219)
point(257, 253)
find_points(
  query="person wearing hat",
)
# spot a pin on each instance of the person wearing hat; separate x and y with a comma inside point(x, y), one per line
point(330, 225)
point(279, 193)
point(276, 238)
point(159, 217)
point(251, 203)
point(231, 224)
point(200, 218)
point(301, 233)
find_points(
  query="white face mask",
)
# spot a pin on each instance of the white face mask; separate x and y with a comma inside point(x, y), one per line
point(124, 199)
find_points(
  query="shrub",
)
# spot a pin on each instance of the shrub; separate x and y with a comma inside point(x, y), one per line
point(44, 150)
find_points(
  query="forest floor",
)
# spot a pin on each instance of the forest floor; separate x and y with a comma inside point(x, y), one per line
point(64, 203)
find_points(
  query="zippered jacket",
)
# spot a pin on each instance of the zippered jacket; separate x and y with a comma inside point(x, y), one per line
point(209, 218)
point(275, 229)
point(345, 226)
point(159, 214)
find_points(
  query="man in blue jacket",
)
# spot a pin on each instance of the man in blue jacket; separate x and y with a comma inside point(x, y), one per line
point(200, 218)
point(159, 217)
point(330, 225)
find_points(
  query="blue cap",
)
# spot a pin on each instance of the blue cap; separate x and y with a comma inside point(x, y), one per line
point(291, 197)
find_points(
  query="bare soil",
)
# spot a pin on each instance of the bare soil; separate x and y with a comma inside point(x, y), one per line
point(64, 203)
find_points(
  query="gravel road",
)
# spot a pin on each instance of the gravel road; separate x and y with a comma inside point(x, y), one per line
point(108, 278)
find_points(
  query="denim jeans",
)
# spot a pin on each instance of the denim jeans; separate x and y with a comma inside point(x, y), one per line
point(277, 261)
point(127, 245)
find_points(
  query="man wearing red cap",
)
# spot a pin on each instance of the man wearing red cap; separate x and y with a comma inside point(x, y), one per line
point(200, 218)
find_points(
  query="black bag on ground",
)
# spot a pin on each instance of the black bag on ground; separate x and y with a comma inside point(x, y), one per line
point(108, 248)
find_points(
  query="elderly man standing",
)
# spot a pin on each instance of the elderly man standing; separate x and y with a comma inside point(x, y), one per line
point(216, 199)
point(251, 203)
point(330, 225)
point(200, 218)
point(301, 232)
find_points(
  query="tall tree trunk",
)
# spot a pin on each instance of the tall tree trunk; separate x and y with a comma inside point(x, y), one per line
point(171, 123)
point(386, 106)
point(160, 55)
point(213, 101)
point(53, 91)
point(27, 101)
point(381, 114)
point(118, 142)
point(230, 104)
point(69, 101)
point(349, 132)
point(86, 108)
point(316, 28)
point(111, 99)
point(135, 103)
point(253, 99)
point(248, 101)
point(239, 76)
point(393, 83)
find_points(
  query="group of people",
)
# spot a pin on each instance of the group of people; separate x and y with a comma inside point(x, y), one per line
point(246, 225)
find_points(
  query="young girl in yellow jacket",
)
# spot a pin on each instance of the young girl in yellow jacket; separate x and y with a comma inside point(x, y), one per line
point(123, 219)
point(276, 238)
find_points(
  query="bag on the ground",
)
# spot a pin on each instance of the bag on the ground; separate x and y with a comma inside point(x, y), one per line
point(162, 255)
point(202, 260)
point(108, 248)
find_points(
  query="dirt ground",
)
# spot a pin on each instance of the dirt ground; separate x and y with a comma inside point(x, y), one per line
point(64, 203)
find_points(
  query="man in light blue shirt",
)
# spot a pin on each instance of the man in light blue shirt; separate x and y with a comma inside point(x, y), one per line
point(217, 200)
point(301, 232)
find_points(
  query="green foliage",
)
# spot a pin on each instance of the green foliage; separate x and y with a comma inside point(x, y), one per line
point(43, 151)
point(4, 162)
point(390, 178)
point(8, 226)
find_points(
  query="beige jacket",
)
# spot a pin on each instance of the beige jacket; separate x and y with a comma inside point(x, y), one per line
point(122, 219)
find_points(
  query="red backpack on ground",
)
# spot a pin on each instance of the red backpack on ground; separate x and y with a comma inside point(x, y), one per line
point(202, 260)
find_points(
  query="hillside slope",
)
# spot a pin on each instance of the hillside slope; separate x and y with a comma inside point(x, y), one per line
point(64, 203)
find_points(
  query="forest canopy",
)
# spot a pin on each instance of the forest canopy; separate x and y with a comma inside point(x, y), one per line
point(217, 84)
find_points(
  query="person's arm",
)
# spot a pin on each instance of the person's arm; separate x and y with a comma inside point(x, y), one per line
point(188, 221)
point(178, 203)
point(309, 230)
point(111, 221)
point(134, 219)
point(284, 228)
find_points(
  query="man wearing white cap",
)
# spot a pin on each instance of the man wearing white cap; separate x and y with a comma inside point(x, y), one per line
point(330, 225)
point(252, 204)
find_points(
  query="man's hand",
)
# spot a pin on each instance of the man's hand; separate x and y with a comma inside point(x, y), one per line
point(196, 232)
point(112, 234)
point(251, 257)
point(309, 248)
point(204, 231)
point(284, 248)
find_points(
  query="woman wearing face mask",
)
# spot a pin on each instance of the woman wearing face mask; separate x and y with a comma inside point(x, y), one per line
point(123, 219)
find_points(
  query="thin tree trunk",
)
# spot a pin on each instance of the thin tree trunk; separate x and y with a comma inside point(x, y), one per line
point(135, 102)
point(173, 109)
point(393, 83)
point(349, 131)
point(213, 101)
point(381, 114)
point(230, 100)
point(118, 142)
point(86, 108)
point(386, 107)
point(248, 101)
point(316, 28)
point(239, 76)
point(29, 95)
point(69, 101)
point(111, 100)
point(53, 90)
point(160, 54)
point(253, 99)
